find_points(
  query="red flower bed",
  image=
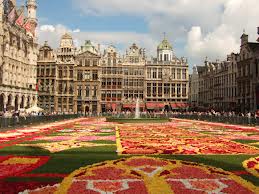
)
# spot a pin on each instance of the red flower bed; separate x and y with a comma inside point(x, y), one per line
point(173, 139)
point(149, 175)
point(16, 165)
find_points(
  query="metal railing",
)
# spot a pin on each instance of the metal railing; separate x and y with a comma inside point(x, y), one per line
point(6, 122)
point(240, 120)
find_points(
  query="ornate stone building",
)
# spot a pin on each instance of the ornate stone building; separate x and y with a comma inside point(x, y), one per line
point(133, 77)
point(64, 98)
point(166, 80)
point(46, 76)
point(87, 85)
point(248, 75)
point(18, 55)
point(86, 81)
point(111, 80)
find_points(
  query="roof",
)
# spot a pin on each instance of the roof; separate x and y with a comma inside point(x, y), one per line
point(165, 45)
point(254, 45)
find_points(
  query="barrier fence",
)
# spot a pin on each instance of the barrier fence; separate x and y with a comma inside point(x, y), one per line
point(240, 120)
point(6, 122)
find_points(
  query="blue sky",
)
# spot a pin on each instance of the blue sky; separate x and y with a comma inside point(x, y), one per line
point(196, 28)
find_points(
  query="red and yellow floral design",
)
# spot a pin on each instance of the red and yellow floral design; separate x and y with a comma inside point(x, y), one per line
point(252, 166)
point(150, 176)
point(175, 138)
point(18, 165)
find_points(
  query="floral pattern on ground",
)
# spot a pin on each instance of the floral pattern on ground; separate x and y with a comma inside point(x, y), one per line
point(252, 166)
point(173, 139)
point(18, 165)
point(150, 176)
point(80, 134)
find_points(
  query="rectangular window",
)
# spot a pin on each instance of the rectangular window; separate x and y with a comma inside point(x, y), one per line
point(95, 75)
point(154, 74)
point(178, 90)
point(184, 92)
point(160, 90)
point(184, 74)
point(154, 89)
point(178, 73)
point(148, 89)
point(173, 90)
point(173, 73)
point(160, 73)
point(87, 91)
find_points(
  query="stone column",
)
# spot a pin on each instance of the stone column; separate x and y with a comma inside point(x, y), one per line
point(19, 100)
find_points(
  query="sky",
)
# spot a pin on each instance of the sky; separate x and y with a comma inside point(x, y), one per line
point(196, 28)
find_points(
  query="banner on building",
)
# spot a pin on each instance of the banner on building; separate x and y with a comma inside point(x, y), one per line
point(20, 19)
point(12, 16)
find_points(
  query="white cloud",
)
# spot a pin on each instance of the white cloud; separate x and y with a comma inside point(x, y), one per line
point(197, 28)
point(238, 15)
point(204, 28)
point(47, 28)
point(121, 40)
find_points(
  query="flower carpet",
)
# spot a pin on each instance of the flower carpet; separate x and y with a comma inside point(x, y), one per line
point(149, 175)
point(183, 138)
point(92, 156)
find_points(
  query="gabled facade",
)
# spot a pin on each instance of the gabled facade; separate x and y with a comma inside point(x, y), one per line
point(87, 83)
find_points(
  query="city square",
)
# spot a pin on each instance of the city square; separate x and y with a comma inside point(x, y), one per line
point(109, 98)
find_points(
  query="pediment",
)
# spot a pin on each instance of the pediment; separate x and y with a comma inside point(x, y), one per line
point(88, 54)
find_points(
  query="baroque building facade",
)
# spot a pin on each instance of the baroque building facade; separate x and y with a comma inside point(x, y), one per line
point(166, 80)
point(133, 77)
point(46, 78)
point(111, 80)
point(18, 55)
point(86, 81)
point(64, 98)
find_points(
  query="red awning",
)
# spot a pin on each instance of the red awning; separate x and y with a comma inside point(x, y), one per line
point(179, 105)
point(182, 105)
point(133, 106)
point(155, 105)
point(174, 105)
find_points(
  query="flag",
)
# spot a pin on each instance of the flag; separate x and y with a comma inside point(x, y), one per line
point(27, 25)
point(11, 16)
point(20, 20)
